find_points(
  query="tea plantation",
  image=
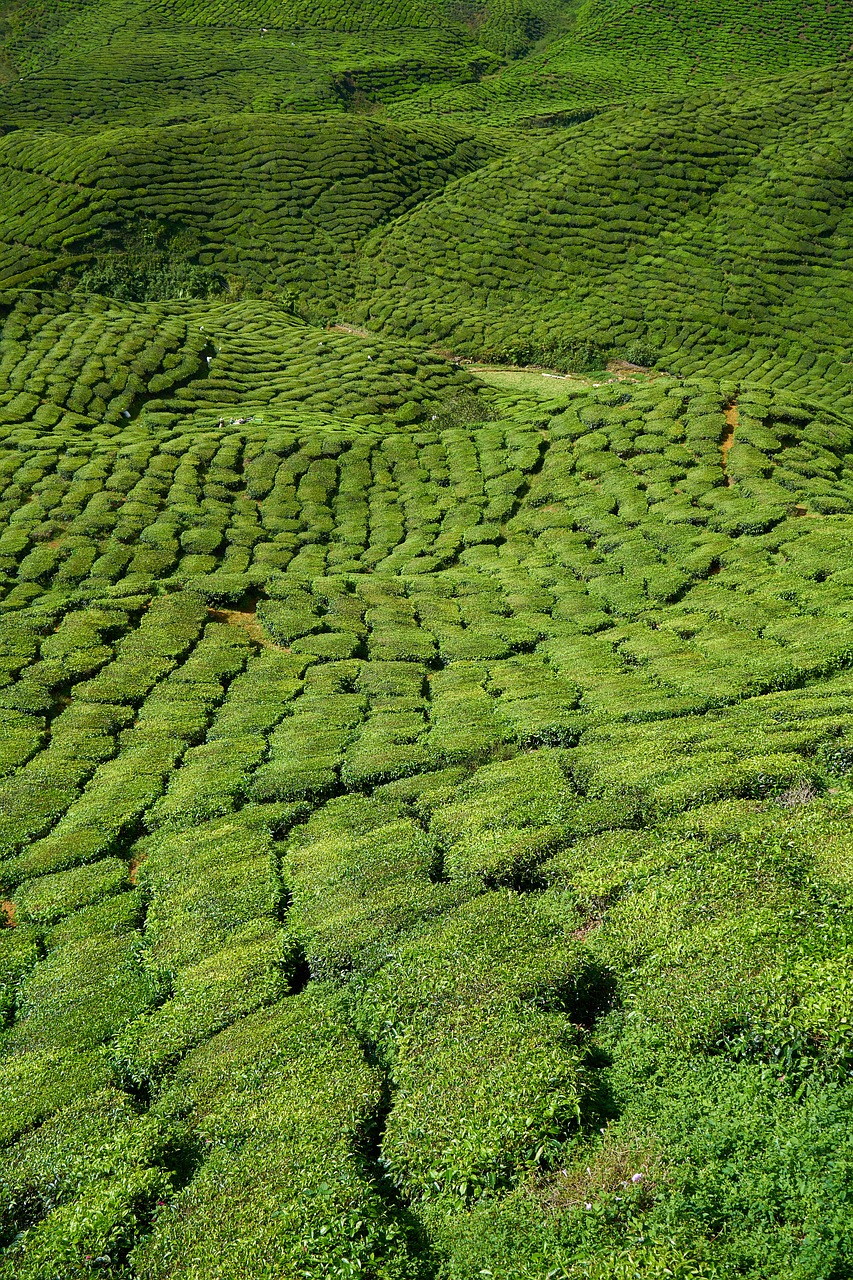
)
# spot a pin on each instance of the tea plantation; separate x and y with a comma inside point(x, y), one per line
point(426, 640)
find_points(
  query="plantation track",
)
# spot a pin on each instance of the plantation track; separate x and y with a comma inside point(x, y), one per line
point(728, 438)
point(245, 618)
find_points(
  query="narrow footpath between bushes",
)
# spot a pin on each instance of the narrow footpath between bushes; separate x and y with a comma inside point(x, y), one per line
point(728, 439)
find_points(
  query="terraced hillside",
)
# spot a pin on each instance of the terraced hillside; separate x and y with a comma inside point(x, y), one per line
point(359, 777)
point(709, 235)
point(248, 202)
point(426, 641)
point(609, 52)
point(75, 362)
point(70, 62)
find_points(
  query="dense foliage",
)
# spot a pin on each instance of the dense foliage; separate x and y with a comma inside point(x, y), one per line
point(425, 844)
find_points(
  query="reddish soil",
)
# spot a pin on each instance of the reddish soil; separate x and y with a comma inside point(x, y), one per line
point(135, 863)
point(588, 926)
point(728, 439)
point(7, 913)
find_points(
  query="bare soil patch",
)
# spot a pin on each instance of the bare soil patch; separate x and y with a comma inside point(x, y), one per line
point(247, 619)
point(350, 328)
point(244, 615)
point(588, 927)
point(728, 439)
point(135, 863)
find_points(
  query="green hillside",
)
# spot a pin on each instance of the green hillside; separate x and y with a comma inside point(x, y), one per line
point(709, 234)
point(611, 52)
point(508, 63)
point(426, 640)
point(252, 203)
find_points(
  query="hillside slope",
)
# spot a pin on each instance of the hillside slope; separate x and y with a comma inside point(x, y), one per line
point(425, 790)
point(619, 51)
point(697, 233)
point(265, 202)
point(76, 63)
point(507, 63)
point(77, 362)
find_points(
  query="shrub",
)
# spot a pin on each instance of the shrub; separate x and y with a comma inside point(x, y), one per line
point(49, 898)
point(253, 969)
point(352, 893)
point(82, 994)
point(79, 1183)
point(38, 1082)
point(285, 1096)
point(489, 966)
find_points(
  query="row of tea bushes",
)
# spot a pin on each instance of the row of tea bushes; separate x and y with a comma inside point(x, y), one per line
point(361, 877)
point(285, 1099)
point(80, 362)
point(215, 776)
point(261, 201)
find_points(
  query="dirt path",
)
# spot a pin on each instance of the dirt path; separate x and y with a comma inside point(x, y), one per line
point(621, 370)
point(354, 330)
point(618, 370)
point(728, 439)
point(7, 913)
point(135, 863)
point(245, 618)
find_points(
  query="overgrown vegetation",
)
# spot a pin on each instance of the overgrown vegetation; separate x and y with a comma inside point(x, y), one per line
point(425, 837)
